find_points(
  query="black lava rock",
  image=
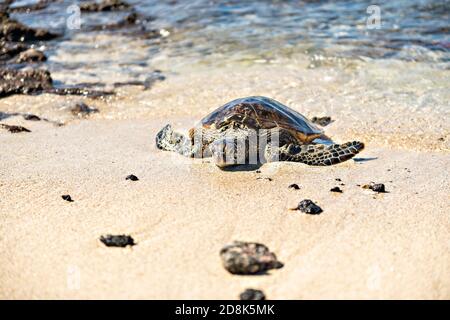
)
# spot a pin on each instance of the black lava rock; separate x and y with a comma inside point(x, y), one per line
point(67, 198)
point(130, 20)
point(252, 294)
point(9, 50)
point(132, 177)
point(81, 90)
point(12, 30)
point(81, 109)
point(117, 240)
point(322, 121)
point(106, 5)
point(248, 258)
point(14, 129)
point(31, 117)
point(23, 81)
point(378, 187)
point(336, 189)
point(294, 186)
point(31, 56)
point(309, 207)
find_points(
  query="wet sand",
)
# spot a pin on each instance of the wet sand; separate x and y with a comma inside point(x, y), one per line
point(182, 211)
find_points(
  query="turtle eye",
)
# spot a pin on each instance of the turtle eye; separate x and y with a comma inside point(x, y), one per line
point(293, 149)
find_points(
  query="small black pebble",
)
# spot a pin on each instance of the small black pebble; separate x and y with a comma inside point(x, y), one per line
point(31, 117)
point(82, 109)
point(336, 189)
point(378, 187)
point(294, 186)
point(117, 240)
point(252, 294)
point(338, 179)
point(309, 207)
point(132, 177)
point(67, 198)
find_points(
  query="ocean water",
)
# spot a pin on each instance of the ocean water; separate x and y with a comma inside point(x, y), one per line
point(383, 72)
point(218, 32)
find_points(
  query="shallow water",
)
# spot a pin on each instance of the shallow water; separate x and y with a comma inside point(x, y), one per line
point(222, 32)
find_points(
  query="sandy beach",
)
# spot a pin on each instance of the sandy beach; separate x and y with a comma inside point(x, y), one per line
point(182, 211)
point(91, 87)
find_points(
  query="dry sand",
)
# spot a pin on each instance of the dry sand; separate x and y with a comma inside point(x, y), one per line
point(182, 211)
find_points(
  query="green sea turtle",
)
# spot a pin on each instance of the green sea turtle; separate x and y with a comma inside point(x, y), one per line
point(257, 130)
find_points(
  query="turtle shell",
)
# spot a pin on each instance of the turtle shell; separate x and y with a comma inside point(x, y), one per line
point(261, 113)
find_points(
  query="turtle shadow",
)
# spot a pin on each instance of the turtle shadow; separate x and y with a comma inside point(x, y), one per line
point(365, 159)
point(257, 274)
point(242, 167)
point(261, 274)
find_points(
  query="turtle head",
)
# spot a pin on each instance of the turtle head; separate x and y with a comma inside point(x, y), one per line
point(164, 139)
point(169, 140)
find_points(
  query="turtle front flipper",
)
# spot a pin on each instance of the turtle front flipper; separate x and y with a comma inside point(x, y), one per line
point(169, 140)
point(314, 154)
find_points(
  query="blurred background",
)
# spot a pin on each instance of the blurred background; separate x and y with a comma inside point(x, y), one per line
point(131, 39)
